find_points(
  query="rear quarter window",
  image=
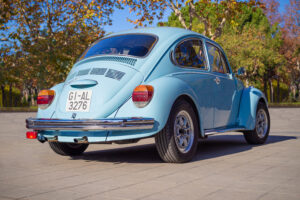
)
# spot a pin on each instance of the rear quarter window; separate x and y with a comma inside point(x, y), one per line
point(189, 53)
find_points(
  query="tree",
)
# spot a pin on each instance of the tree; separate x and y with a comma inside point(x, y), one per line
point(291, 46)
point(43, 39)
point(271, 11)
point(186, 12)
point(255, 44)
point(249, 41)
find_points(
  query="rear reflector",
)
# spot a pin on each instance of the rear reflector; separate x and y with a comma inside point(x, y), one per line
point(31, 135)
point(45, 98)
point(142, 95)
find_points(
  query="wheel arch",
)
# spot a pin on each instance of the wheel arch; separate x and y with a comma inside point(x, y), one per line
point(160, 106)
point(247, 113)
point(262, 100)
point(190, 100)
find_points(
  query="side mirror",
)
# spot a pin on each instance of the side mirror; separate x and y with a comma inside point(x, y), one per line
point(241, 71)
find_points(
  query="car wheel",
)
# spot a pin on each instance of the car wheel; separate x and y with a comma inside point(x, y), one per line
point(262, 126)
point(178, 141)
point(68, 149)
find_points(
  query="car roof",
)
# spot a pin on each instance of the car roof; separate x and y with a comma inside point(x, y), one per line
point(161, 32)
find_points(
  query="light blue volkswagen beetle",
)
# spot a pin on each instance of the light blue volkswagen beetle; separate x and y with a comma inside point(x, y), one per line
point(169, 83)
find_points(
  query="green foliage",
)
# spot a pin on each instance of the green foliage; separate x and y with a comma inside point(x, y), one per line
point(41, 40)
point(283, 92)
point(254, 44)
point(248, 40)
point(16, 98)
point(209, 17)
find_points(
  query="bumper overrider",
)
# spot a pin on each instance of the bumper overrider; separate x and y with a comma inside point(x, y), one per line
point(90, 124)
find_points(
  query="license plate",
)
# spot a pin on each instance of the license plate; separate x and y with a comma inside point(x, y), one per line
point(79, 100)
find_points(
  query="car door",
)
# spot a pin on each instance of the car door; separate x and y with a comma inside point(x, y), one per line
point(189, 56)
point(224, 88)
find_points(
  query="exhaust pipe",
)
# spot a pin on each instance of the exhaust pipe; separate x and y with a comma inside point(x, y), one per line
point(52, 139)
point(84, 139)
point(41, 138)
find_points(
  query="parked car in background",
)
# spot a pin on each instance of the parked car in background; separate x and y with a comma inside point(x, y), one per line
point(169, 83)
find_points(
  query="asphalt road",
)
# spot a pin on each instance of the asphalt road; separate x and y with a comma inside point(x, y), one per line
point(225, 167)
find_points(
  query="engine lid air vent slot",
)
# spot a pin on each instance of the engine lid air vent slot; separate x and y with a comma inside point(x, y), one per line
point(98, 71)
point(83, 72)
point(114, 74)
point(129, 61)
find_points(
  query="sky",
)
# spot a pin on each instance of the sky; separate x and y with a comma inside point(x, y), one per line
point(120, 23)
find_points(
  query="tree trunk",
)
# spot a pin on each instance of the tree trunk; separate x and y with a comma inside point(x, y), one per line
point(29, 96)
point(10, 96)
point(25, 92)
point(271, 91)
point(293, 89)
point(266, 86)
point(278, 90)
point(33, 94)
point(3, 96)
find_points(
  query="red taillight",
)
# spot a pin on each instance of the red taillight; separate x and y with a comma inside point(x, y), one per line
point(45, 98)
point(142, 95)
point(31, 135)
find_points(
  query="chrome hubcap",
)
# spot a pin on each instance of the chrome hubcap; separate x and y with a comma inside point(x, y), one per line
point(261, 123)
point(184, 131)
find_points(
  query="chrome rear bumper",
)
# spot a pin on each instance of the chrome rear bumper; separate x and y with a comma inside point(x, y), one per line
point(90, 124)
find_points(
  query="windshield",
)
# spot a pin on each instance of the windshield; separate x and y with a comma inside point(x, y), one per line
point(130, 45)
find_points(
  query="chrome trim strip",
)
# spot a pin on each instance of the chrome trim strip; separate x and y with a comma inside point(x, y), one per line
point(200, 72)
point(216, 131)
point(90, 124)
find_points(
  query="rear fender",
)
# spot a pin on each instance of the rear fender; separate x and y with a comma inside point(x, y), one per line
point(247, 112)
point(48, 112)
point(159, 108)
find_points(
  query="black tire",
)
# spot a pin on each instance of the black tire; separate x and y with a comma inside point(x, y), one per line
point(168, 145)
point(256, 136)
point(68, 149)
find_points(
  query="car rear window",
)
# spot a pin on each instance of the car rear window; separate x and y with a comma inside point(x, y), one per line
point(137, 45)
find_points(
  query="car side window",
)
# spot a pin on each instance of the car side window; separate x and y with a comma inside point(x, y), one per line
point(217, 60)
point(190, 54)
point(224, 63)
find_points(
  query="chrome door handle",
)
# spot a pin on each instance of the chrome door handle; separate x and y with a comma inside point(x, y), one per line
point(217, 80)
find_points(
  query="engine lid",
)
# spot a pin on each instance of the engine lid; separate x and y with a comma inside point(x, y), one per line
point(96, 90)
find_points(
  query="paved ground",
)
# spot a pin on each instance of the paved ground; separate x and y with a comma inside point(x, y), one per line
point(225, 167)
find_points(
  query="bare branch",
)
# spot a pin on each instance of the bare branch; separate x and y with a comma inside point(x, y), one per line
point(219, 29)
point(178, 14)
point(170, 6)
point(207, 29)
point(191, 17)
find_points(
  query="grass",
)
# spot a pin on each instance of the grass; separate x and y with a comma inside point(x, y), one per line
point(285, 104)
point(18, 109)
